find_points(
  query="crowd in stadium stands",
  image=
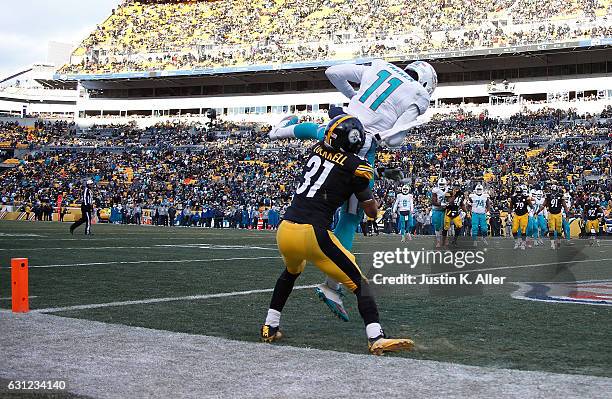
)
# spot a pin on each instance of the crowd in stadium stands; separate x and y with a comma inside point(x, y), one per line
point(234, 177)
point(13, 134)
point(142, 35)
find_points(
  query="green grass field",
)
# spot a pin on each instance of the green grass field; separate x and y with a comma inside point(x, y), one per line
point(157, 267)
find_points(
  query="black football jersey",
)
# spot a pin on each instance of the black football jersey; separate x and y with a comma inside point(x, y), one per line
point(555, 203)
point(454, 206)
point(327, 180)
point(519, 204)
point(592, 212)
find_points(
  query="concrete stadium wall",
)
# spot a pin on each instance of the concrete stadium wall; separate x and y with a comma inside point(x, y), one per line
point(331, 97)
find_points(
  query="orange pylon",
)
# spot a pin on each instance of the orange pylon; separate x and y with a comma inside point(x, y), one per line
point(19, 285)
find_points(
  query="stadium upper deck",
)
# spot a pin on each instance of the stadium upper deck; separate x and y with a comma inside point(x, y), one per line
point(230, 36)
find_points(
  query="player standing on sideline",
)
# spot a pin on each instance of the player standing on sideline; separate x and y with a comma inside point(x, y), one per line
point(388, 102)
point(86, 209)
point(480, 207)
point(438, 203)
point(541, 225)
point(452, 214)
point(532, 226)
point(592, 213)
point(404, 207)
point(330, 176)
point(520, 204)
point(555, 203)
point(567, 197)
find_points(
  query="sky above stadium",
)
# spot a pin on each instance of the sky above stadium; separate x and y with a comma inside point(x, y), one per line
point(27, 26)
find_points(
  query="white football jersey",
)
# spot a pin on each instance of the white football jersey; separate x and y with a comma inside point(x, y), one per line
point(479, 202)
point(568, 202)
point(538, 203)
point(387, 97)
point(531, 209)
point(441, 194)
point(404, 202)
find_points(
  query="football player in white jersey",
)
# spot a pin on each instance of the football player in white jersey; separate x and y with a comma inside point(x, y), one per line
point(438, 205)
point(567, 197)
point(404, 207)
point(532, 226)
point(541, 219)
point(480, 205)
point(388, 102)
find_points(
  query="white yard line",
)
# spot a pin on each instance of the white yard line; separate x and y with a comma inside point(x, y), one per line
point(148, 237)
point(70, 248)
point(137, 262)
point(9, 298)
point(158, 246)
point(159, 300)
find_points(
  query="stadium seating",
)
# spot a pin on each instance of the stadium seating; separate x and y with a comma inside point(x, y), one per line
point(174, 35)
point(179, 165)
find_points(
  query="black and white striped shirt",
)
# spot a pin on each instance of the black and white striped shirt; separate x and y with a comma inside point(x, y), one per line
point(87, 196)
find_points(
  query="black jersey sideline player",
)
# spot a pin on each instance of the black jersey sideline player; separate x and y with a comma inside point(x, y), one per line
point(331, 174)
point(520, 203)
point(555, 204)
point(452, 214)
point(592, 214)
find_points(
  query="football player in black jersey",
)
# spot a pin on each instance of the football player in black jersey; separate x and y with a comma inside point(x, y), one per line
point(520, 203)
point(452, 213)
point(331, 174)
point(592, 213)
point(555, 204)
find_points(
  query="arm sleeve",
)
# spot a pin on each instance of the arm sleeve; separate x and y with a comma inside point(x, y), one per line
point(341, 75)
point(411, 203)
point(395, 136)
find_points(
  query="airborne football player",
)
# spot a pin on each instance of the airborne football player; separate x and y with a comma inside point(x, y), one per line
point(388, 102)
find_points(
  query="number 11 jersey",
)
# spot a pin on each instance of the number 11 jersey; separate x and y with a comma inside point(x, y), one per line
point(385, 93)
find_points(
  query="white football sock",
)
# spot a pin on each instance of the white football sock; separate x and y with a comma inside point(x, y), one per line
point(282, 133)
point(374, 330)
point(273, 318)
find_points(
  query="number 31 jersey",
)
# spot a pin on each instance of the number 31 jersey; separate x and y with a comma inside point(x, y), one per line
point(327, 180)
point(385, 93)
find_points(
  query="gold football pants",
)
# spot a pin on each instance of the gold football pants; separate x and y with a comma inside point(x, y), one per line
point(520, 222)
point(299, 243)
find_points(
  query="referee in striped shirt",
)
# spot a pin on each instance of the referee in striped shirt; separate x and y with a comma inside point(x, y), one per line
point(86, 209)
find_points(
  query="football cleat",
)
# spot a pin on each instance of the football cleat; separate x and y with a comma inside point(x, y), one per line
point(484, 241)
point(516, 244)
point(333, 299)
point(379, 345)
point(270, 334)
point(286, 121)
